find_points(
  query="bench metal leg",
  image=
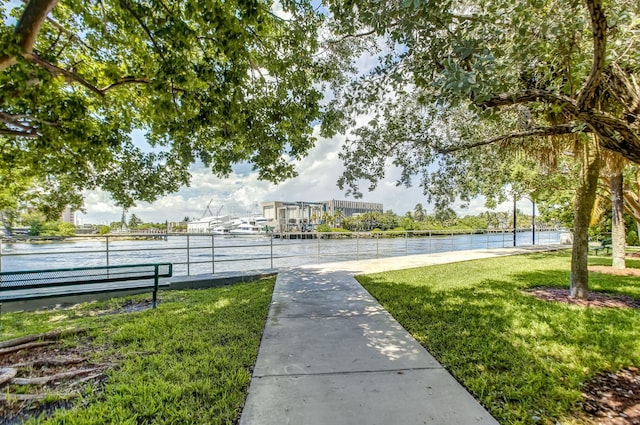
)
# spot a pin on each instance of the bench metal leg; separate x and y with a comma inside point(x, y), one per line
point(155, 287)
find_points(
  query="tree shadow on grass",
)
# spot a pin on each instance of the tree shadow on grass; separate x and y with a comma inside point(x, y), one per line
point(523, 358)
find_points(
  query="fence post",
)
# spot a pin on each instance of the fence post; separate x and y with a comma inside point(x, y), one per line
point(406, 243)
point(1, 243)
point(107, 252)
point(155, 286)
point(213, 255)
point(188, 257)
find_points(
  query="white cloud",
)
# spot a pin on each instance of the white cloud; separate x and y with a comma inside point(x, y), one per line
point(242, 193)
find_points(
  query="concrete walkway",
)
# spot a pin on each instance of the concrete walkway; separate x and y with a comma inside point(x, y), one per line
point(331, 355)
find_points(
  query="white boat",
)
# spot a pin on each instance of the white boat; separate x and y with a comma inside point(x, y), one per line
point(247, 229)
point(207, 224)
point(221, 230)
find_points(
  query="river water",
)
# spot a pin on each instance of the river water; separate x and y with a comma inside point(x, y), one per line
point(193, 254)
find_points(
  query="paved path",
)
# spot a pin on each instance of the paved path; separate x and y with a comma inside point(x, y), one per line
point(331, 355)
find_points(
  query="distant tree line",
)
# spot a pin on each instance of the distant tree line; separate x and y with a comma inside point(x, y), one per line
point(442, 218)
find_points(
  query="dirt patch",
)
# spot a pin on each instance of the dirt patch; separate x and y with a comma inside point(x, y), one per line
point(128, 307)
point(595, 299)
point(614, 399)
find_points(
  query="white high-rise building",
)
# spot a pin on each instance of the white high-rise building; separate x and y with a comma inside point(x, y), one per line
point(68, 216)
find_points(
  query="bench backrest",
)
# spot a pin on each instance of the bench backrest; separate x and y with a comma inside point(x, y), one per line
point(83, 275)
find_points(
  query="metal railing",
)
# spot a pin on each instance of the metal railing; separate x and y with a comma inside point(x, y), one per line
point(210, 254)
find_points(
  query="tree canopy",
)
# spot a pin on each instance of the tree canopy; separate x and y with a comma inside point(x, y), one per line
point(454, 75)
point(220, 82)
point(468, 94)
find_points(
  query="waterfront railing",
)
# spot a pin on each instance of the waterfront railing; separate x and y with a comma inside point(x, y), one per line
point(193, 254)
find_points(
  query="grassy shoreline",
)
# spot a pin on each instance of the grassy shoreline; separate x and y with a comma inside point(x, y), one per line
point(525, 359)
point(189, 361)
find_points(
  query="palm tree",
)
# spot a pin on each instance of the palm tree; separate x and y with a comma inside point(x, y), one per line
point(337, 218)
point(418, 212)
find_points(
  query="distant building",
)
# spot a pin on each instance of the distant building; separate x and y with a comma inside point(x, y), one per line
point(351, 208)
point(68, 216)
point(177, 226)
point(304, 216)
point(293, 216)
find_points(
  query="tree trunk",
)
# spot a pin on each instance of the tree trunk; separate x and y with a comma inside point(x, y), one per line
point(585, 199)
point(618, 231)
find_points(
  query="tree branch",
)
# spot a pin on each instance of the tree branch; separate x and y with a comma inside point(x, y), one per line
point(54, 69)
point(614, 133)
point(125, 80)
point(586, 98)
point(556, 130)
point(24, 121)
point(625, 88)
point(32, 397)
point(14, 133)
point(27, 29)
point(44, 380)
point(25, 346)
point(146, 29)
point(71, 34)
point(14, 121)
point(348, 36)
point(532, 95)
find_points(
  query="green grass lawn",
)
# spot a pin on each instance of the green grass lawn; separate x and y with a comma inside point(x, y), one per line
point(525, 359)
point(187, 362)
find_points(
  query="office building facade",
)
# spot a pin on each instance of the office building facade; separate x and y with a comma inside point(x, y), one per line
point(300, 216)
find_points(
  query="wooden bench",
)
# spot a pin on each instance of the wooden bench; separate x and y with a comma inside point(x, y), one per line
point(35, 284)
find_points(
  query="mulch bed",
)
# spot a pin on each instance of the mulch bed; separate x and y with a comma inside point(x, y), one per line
point(615, 272)
point(614, 398)
point(596, 299)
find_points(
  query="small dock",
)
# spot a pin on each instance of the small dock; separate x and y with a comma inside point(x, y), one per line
point(294, 235)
